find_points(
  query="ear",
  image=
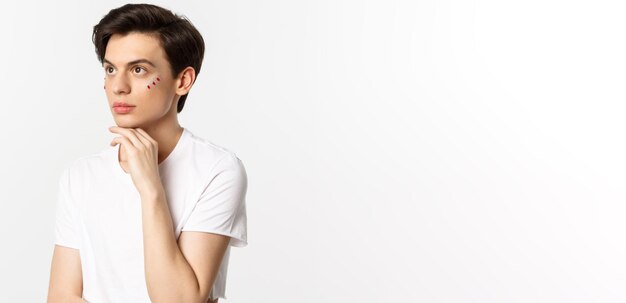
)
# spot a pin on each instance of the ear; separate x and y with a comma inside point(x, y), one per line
point(185, 80)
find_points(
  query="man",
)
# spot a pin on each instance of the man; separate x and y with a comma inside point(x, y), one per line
point(152, 218)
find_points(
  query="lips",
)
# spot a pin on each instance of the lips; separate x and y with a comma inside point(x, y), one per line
point(122, 104)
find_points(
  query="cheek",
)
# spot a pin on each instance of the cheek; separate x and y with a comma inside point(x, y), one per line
point(153, 83)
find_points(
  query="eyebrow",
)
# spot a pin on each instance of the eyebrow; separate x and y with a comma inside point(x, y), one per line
point(132, 62)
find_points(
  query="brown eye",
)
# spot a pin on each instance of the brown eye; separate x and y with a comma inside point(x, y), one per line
point(138, 69)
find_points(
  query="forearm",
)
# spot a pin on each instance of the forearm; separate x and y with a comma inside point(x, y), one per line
point(169, 276)
point(65, 299)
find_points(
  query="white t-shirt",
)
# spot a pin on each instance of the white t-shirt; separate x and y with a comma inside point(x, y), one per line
point(99, 213)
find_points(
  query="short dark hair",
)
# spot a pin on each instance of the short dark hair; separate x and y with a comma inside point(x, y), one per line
point(182, 42)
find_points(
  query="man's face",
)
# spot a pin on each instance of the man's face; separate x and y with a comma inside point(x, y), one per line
point(132, 83)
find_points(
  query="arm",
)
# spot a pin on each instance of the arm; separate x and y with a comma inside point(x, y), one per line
point(173, 273)
point(66, 280)
point(186, 273)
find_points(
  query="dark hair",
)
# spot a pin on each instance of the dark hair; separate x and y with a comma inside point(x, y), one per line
point(181, 41)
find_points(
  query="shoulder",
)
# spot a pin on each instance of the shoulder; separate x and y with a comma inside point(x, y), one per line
point(213, 156)
point(79, 167)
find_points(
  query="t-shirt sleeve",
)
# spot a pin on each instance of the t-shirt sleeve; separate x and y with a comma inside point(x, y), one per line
point(221, 208)
point(65, 226)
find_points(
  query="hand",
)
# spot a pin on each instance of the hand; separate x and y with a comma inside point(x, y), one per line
point(142, 152)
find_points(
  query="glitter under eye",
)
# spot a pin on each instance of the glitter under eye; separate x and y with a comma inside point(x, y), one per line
point(153, 82)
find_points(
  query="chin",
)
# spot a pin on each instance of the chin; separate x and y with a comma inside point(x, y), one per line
point(126, 123)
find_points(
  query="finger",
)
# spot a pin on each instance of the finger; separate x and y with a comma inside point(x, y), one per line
point(144, 141)
point(146, 135)
point(125, 142)
point(128, 134)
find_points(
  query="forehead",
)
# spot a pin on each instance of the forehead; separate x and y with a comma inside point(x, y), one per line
point(124, 48)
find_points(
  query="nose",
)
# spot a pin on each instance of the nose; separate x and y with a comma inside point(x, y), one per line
point(119, 84)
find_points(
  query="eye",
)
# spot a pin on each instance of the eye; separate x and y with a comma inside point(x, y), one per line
point(107, 68)
point(139, 68)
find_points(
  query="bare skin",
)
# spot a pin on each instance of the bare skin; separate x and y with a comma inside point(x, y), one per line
point(155, 108)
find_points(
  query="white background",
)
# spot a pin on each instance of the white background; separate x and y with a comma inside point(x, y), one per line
point(396, 151)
